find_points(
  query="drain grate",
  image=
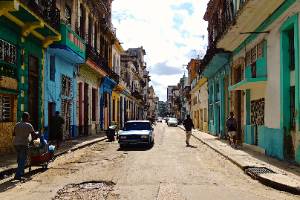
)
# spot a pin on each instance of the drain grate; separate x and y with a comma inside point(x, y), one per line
point(256, 171)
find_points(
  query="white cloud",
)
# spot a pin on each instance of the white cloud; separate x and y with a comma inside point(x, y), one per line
point(168, 30)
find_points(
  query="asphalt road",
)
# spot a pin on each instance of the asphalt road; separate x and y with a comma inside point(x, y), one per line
point(169, 171)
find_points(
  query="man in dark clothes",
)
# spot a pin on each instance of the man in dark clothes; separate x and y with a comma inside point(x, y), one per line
point(231, 125)
point(57, 128)
point(188, 125)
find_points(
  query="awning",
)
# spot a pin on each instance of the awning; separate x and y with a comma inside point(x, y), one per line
point(29, 22)
point(250, 83)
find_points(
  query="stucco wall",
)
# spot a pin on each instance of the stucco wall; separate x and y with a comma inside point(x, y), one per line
point(52, 89)
point(90, 77)
point(272, 100)
point(256, 94)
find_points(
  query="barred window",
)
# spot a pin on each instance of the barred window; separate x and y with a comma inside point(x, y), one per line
point(248, 58)
point(66, 86)
point(8, 52)
point(260, 49)
point(253, 55)
point(5, 108)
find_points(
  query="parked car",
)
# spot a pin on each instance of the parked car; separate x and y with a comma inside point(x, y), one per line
point(159, 119)
point(172, 121)
point(136, 132)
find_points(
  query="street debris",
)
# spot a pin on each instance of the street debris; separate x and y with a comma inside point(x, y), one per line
point(94, 190)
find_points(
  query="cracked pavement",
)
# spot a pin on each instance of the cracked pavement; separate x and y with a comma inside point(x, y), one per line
point(168, 171)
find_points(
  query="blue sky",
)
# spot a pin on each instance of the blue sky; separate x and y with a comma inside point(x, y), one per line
point(171, 31)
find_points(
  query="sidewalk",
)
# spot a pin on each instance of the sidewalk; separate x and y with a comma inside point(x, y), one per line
point(8, 163)
point(269, 171)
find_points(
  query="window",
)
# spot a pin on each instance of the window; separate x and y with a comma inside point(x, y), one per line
point(260, 49)
point(292, 108)
point(205, 115)
point(94, 104)
point(291, 49)
point(253, 55)
point(52, 68)
point(137, 126)
point(82, 22)
point(114, 110)
point(66, 85)
point(68, 15)
point(6, 108)
point(95, 36)
point(8, 52)
point(90, 26)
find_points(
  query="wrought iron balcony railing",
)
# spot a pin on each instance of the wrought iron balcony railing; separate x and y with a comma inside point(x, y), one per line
point(8, 71)
point(219, 22)
point(136, 95)
point(47, 10)
point(115, 76)
point(101, 62)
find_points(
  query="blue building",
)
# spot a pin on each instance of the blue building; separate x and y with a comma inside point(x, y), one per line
point(106, 89)
point(60, 94)
point(217, 73)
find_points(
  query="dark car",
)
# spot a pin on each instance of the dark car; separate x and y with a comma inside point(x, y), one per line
point(136, 132)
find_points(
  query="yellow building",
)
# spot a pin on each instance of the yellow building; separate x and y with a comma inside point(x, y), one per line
point(117, 104)
point(199, 103)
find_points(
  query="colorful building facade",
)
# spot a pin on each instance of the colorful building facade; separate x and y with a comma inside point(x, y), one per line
point(24, 35)
point(62, 60)
point(199, 103)
point(263, 71)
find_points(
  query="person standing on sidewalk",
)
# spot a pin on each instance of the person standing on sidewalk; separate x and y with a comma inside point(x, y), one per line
point(57, 128)
point(231, 125)
point(188, 125)
point(21, 133)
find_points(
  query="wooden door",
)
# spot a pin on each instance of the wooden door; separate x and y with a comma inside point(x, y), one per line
point(33, 90)
point(86, 109)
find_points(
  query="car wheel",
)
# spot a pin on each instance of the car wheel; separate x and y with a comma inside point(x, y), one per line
point(122, 146)
point(151, 144)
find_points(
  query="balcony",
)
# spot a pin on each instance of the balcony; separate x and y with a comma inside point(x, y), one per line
point(137, 95)
point(47, 10)
point(254, 75)
point(115, 76)
point(7, 70)
point(143, 83)
point(247, 16)
point(30, 17)
point(97, 58)
point(71, 46)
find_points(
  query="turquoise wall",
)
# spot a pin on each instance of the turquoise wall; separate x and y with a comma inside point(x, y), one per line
point(249, 137)
point(217, 117)
point(11, 33)
point(272, 141)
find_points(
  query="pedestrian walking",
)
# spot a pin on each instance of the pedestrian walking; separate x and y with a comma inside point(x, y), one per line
point(21, 134)
point(57, 128)
point(188, 125)
point(231, 125)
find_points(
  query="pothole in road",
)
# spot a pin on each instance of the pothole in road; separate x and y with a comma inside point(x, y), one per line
point(94, 190)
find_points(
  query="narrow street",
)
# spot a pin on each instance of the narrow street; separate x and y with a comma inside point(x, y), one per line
point(169, 171)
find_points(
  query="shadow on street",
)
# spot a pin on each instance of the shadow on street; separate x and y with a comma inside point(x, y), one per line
point(135, 148)
point(11, 183)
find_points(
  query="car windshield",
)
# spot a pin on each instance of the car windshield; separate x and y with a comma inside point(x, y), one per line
point(137, 126)
point(172, 120)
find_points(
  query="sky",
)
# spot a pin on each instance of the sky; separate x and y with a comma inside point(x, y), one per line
point(171, 31)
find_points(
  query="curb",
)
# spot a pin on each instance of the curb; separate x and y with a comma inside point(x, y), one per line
point(11, 171)
point(264, 181)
